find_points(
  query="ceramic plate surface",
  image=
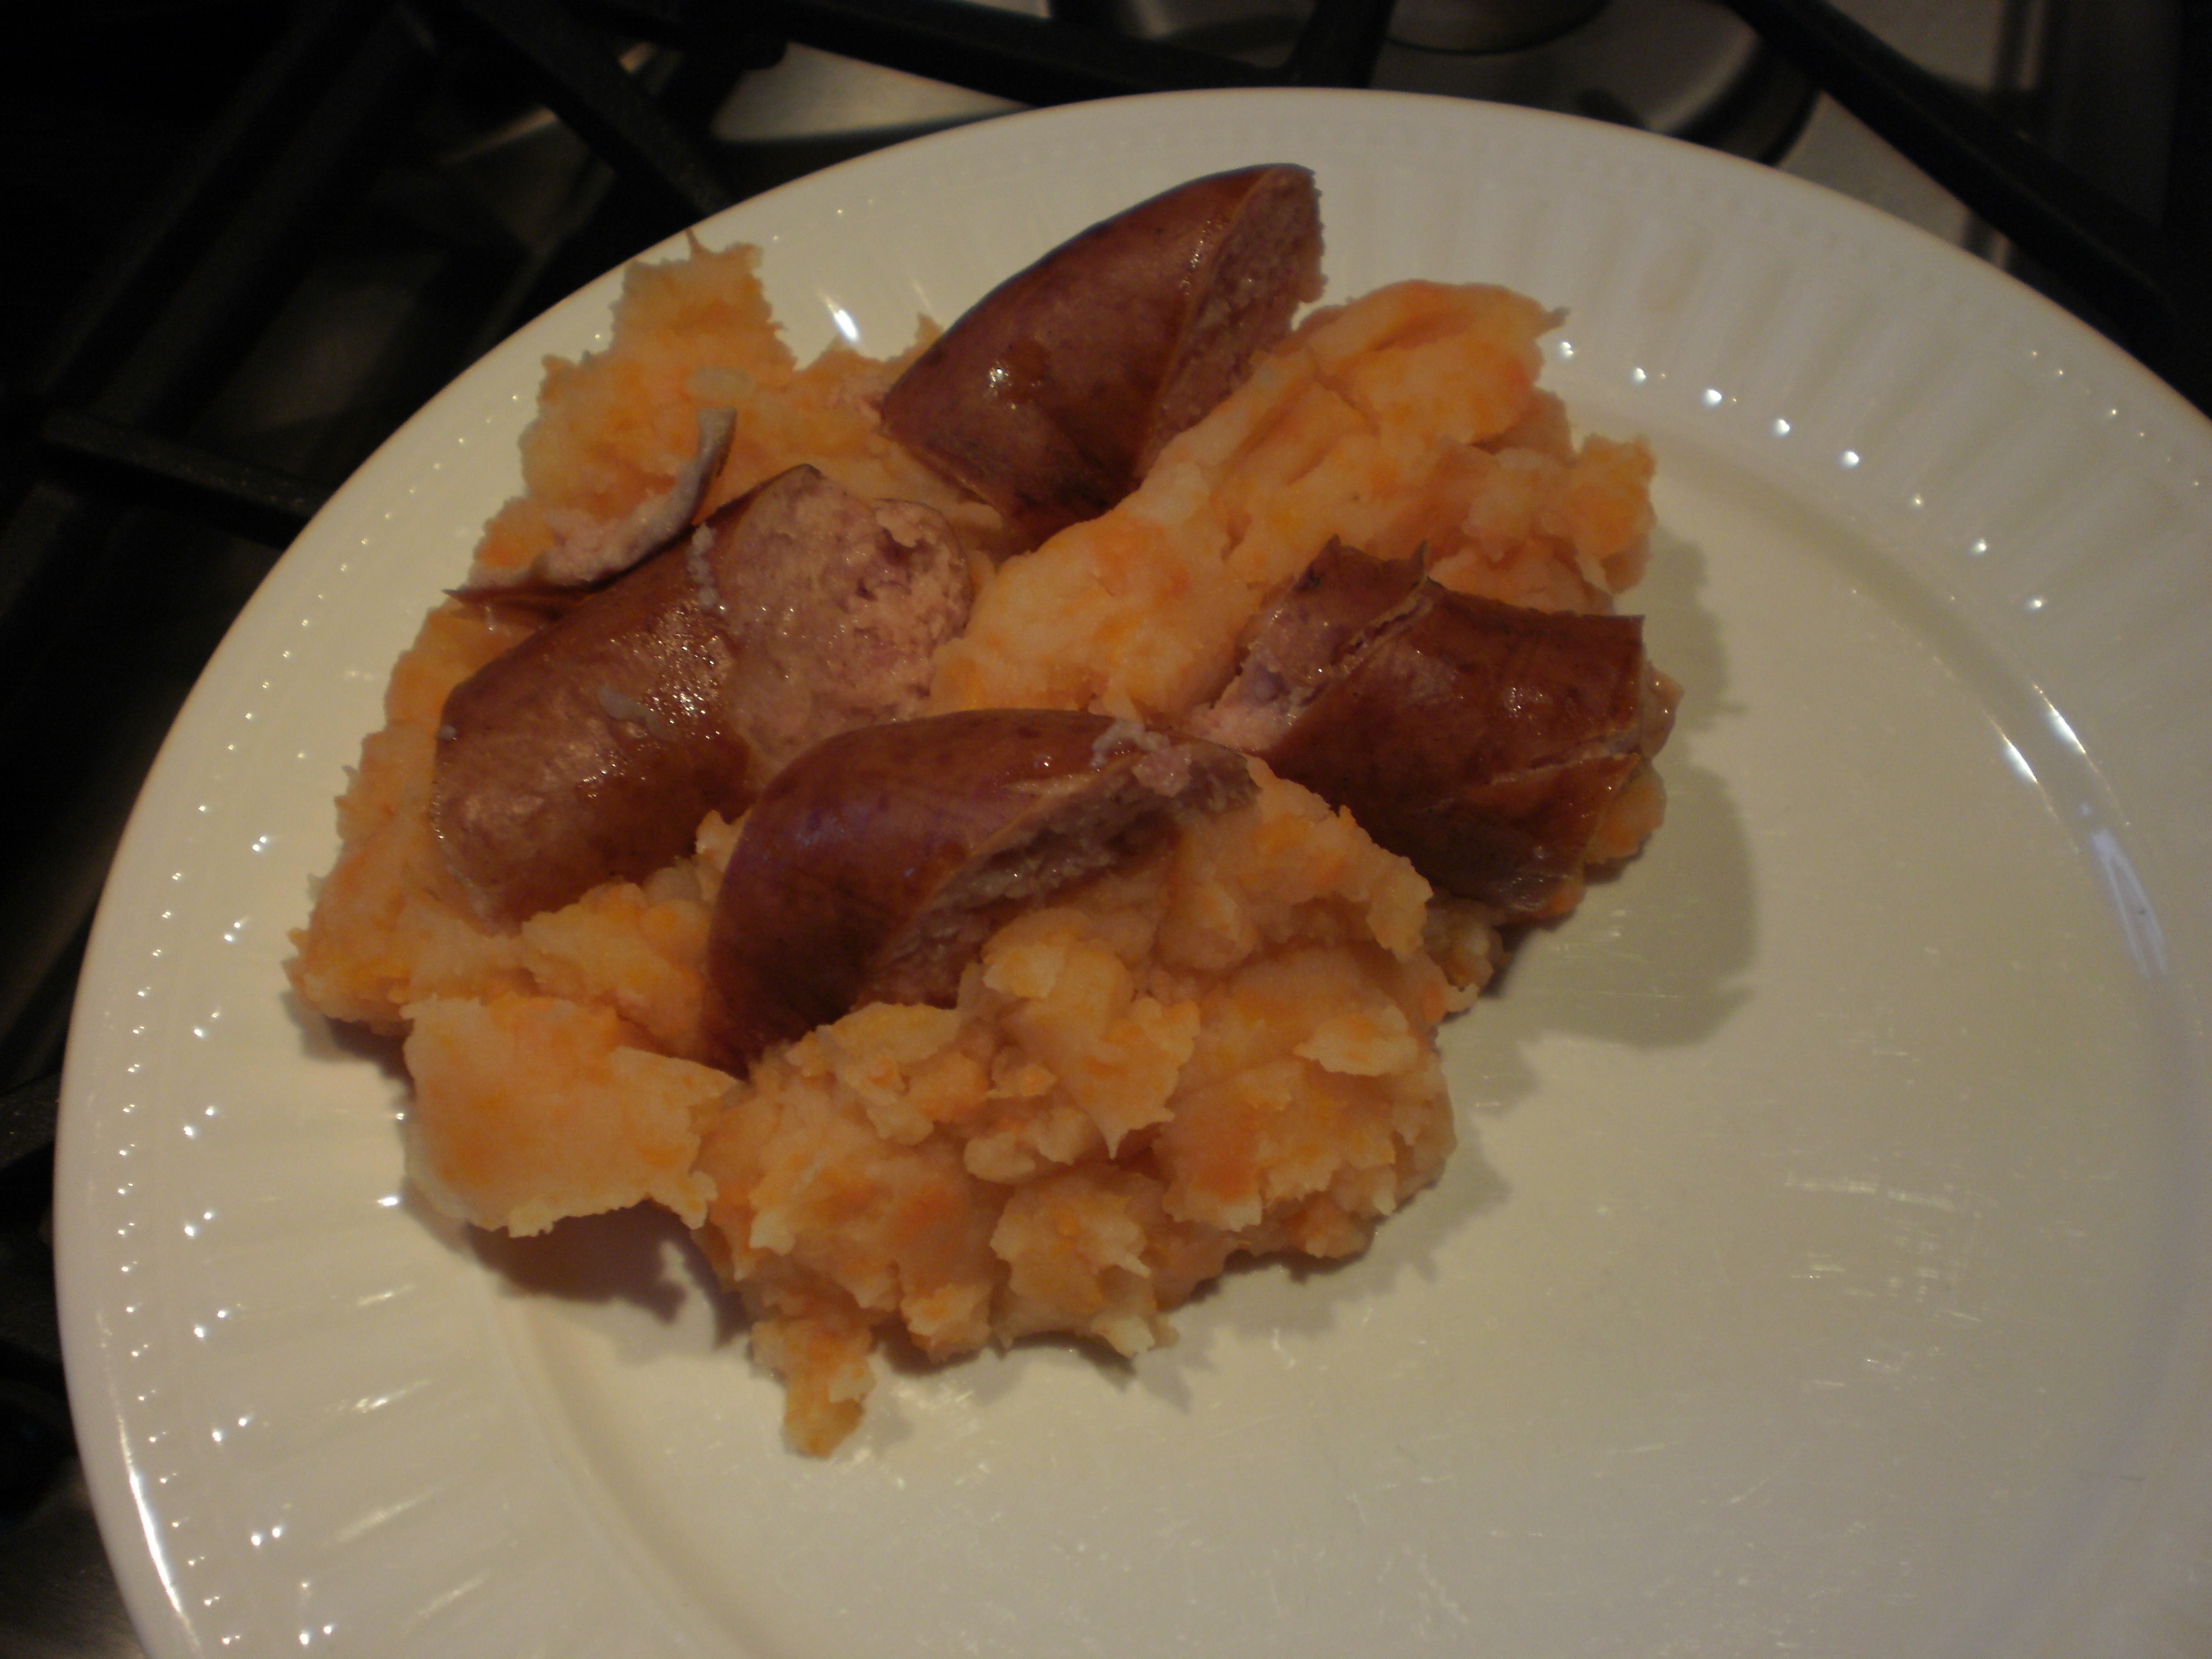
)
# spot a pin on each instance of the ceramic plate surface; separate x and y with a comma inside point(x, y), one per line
point(1827, 1268)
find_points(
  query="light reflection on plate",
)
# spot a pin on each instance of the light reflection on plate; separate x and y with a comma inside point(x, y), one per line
point(1827, 1266)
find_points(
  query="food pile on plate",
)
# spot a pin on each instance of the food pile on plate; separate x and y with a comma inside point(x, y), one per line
point(988, 837)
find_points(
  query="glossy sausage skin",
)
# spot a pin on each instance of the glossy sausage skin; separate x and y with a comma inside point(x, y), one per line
point(1051, 397)
point(590, 752)
point(1482, 741)
point(874, 866)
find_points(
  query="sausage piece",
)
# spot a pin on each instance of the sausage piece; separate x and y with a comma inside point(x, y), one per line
point(873, 868)
point(590, 752)
point(1299, 643)
point(836, 607)
point(1051, 397)
point(1483, 741)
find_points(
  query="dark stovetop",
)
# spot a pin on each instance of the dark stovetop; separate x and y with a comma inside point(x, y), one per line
point(265, 233)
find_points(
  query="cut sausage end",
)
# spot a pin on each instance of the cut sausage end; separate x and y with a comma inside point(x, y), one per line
point(590, 751)
point(1485, 742)
point(876, 866)
point(1051, 396)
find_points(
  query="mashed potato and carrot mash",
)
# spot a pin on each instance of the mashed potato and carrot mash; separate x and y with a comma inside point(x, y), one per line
point(1226, 1047)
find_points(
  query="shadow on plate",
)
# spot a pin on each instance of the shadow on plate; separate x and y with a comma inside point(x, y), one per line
point(322, 1037)
point(1656, 955)
point(642, 1258)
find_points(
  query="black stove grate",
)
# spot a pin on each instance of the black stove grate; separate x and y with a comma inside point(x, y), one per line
point(372, 148)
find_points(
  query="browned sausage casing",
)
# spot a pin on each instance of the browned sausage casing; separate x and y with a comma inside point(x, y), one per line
point(1301, 643)
point(590, 752)
point(873, 867)
point(1051, 397)
point(1482, 741)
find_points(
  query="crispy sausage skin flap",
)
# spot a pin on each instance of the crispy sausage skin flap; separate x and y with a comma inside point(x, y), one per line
point(1051, 397)
point(873, 868)
point(590, 752)
point(1483, 741)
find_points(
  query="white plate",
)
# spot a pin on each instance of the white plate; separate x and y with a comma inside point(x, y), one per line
point(1829, 1271)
